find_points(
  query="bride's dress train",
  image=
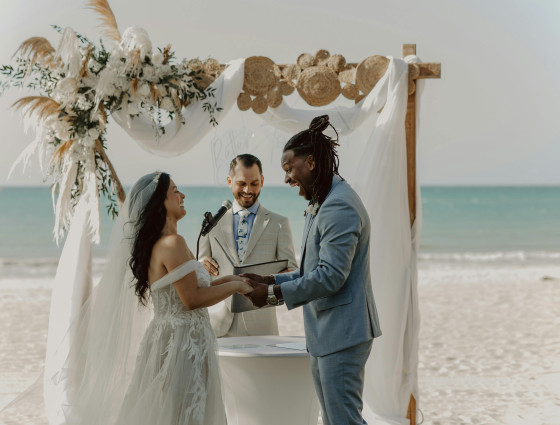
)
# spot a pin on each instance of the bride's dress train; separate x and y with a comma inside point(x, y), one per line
point(176, 378)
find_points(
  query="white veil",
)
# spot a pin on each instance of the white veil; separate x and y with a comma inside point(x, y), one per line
point(87, 375)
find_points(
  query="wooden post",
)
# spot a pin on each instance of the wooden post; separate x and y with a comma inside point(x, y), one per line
point(410, 127)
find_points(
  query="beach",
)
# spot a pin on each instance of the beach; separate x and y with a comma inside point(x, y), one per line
point(489, 341)
point(488, 285)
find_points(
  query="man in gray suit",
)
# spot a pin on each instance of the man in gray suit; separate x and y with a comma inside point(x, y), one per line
point(333, 282)
point(247, 234)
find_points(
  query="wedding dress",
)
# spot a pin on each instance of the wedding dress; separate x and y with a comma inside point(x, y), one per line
point(176, 377)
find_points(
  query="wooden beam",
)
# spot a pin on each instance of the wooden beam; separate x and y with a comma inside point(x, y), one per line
point(410, 127)
point(411, 414)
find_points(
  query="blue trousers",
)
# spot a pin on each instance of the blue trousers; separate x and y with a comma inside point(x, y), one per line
point(339, 383)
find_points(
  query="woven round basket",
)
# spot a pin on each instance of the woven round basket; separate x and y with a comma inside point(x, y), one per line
point(305, 60)
point(336, 63)
point(291, 72)
point(347, 75)
point(259, 104)
point(244, 101)
point(274, 98)
point(318, 85)
point(321, 57)
point(370, 71)
point(194, 64)
point(350, 91)
point(259, 75)
point(211, 66)
point(286, 88)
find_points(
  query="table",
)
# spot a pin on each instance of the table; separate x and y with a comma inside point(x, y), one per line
point(265, 384)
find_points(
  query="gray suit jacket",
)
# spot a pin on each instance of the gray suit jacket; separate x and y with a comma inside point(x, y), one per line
point(333, 282)
point(270, 240)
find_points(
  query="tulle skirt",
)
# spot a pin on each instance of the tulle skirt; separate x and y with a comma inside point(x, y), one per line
point(176, 380)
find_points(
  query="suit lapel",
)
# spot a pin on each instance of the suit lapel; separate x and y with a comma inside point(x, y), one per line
point(309, 223)
point(261, 221)
point(226, 230)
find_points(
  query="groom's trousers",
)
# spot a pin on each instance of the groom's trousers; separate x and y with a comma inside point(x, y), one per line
point(339, 383)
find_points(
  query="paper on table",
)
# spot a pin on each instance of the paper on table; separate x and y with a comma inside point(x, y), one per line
point(300, 346)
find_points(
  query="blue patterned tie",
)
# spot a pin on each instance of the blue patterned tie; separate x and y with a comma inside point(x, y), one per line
point(242, 234)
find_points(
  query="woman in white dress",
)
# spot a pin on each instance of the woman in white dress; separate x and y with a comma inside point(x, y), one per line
point(176, 379)
point(122, 364)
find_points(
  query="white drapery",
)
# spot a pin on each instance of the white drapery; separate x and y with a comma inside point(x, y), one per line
point(381, 181)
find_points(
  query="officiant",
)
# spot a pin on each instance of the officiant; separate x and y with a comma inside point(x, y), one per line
point(247, 234)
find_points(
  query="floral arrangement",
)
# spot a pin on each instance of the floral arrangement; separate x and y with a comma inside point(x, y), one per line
point(80, 85)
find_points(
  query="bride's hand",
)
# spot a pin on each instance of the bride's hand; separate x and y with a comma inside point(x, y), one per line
point(244, 288)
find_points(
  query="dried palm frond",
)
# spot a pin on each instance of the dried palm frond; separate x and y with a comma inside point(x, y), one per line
point(134, 86)
point(84, 72)
point(107, 18)
point(156, 94)
point(61, 150)
point(40, 105)
point(166, 54)
point(37, 50)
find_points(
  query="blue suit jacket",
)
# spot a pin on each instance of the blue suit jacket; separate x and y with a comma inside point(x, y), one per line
point(335, 286)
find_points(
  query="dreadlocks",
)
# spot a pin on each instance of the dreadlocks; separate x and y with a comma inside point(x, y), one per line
point(323, 149)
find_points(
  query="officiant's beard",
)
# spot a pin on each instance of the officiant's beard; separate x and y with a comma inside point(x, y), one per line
point(246, 202)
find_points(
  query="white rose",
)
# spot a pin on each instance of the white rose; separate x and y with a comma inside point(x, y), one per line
point(148, 71)
point(157, 58)
point(83, 103)
point(167, 104)
point(133, 108)
point(144, 90)
point(93, 133)
point(87, 141)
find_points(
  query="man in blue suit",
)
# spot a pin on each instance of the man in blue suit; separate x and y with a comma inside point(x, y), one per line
point(333, 282)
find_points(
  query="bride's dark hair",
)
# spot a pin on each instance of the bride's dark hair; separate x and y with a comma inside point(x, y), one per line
point(149, 225)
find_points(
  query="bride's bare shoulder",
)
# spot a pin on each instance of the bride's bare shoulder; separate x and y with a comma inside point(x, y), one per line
point(174, 245)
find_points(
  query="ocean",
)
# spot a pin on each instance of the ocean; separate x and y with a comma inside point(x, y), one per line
point(502, 225)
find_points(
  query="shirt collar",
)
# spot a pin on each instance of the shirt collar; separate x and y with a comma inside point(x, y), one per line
point(252, 209)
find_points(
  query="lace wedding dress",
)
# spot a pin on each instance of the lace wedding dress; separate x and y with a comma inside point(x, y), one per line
point(176, 378)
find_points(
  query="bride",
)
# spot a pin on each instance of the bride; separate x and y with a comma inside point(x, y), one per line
point(120, 366)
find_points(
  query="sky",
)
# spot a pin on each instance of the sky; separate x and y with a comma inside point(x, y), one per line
point(492, 119)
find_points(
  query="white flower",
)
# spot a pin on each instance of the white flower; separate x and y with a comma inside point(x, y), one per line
point(87, 141)
point(167, 104)
point(144, 90)
point(66, 90)
point(61, 130)
point(312, 209)
point(83, 103)
point(133, 108)
point(93, 133)
point(157, 58)
point(136, 38)
point(148, 71)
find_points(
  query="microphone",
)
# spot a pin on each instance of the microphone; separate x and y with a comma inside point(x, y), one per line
point(211, 223)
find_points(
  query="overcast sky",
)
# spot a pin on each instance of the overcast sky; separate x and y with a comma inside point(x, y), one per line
point(491, 119)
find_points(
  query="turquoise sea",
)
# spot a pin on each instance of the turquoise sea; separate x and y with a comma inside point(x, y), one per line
point(467, 224)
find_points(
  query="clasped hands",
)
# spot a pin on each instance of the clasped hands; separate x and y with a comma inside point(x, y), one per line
point(260, 288)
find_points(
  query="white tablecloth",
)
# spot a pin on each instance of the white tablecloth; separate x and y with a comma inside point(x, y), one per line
point(266, 384)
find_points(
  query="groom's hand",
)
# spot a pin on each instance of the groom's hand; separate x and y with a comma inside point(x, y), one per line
point(260, 292)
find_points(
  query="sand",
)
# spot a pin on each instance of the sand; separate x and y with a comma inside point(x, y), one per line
point(489, 342)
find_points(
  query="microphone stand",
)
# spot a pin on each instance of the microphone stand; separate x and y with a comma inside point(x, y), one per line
point(207, 218)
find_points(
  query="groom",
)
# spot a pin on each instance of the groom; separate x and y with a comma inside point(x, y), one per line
point(333, 282)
